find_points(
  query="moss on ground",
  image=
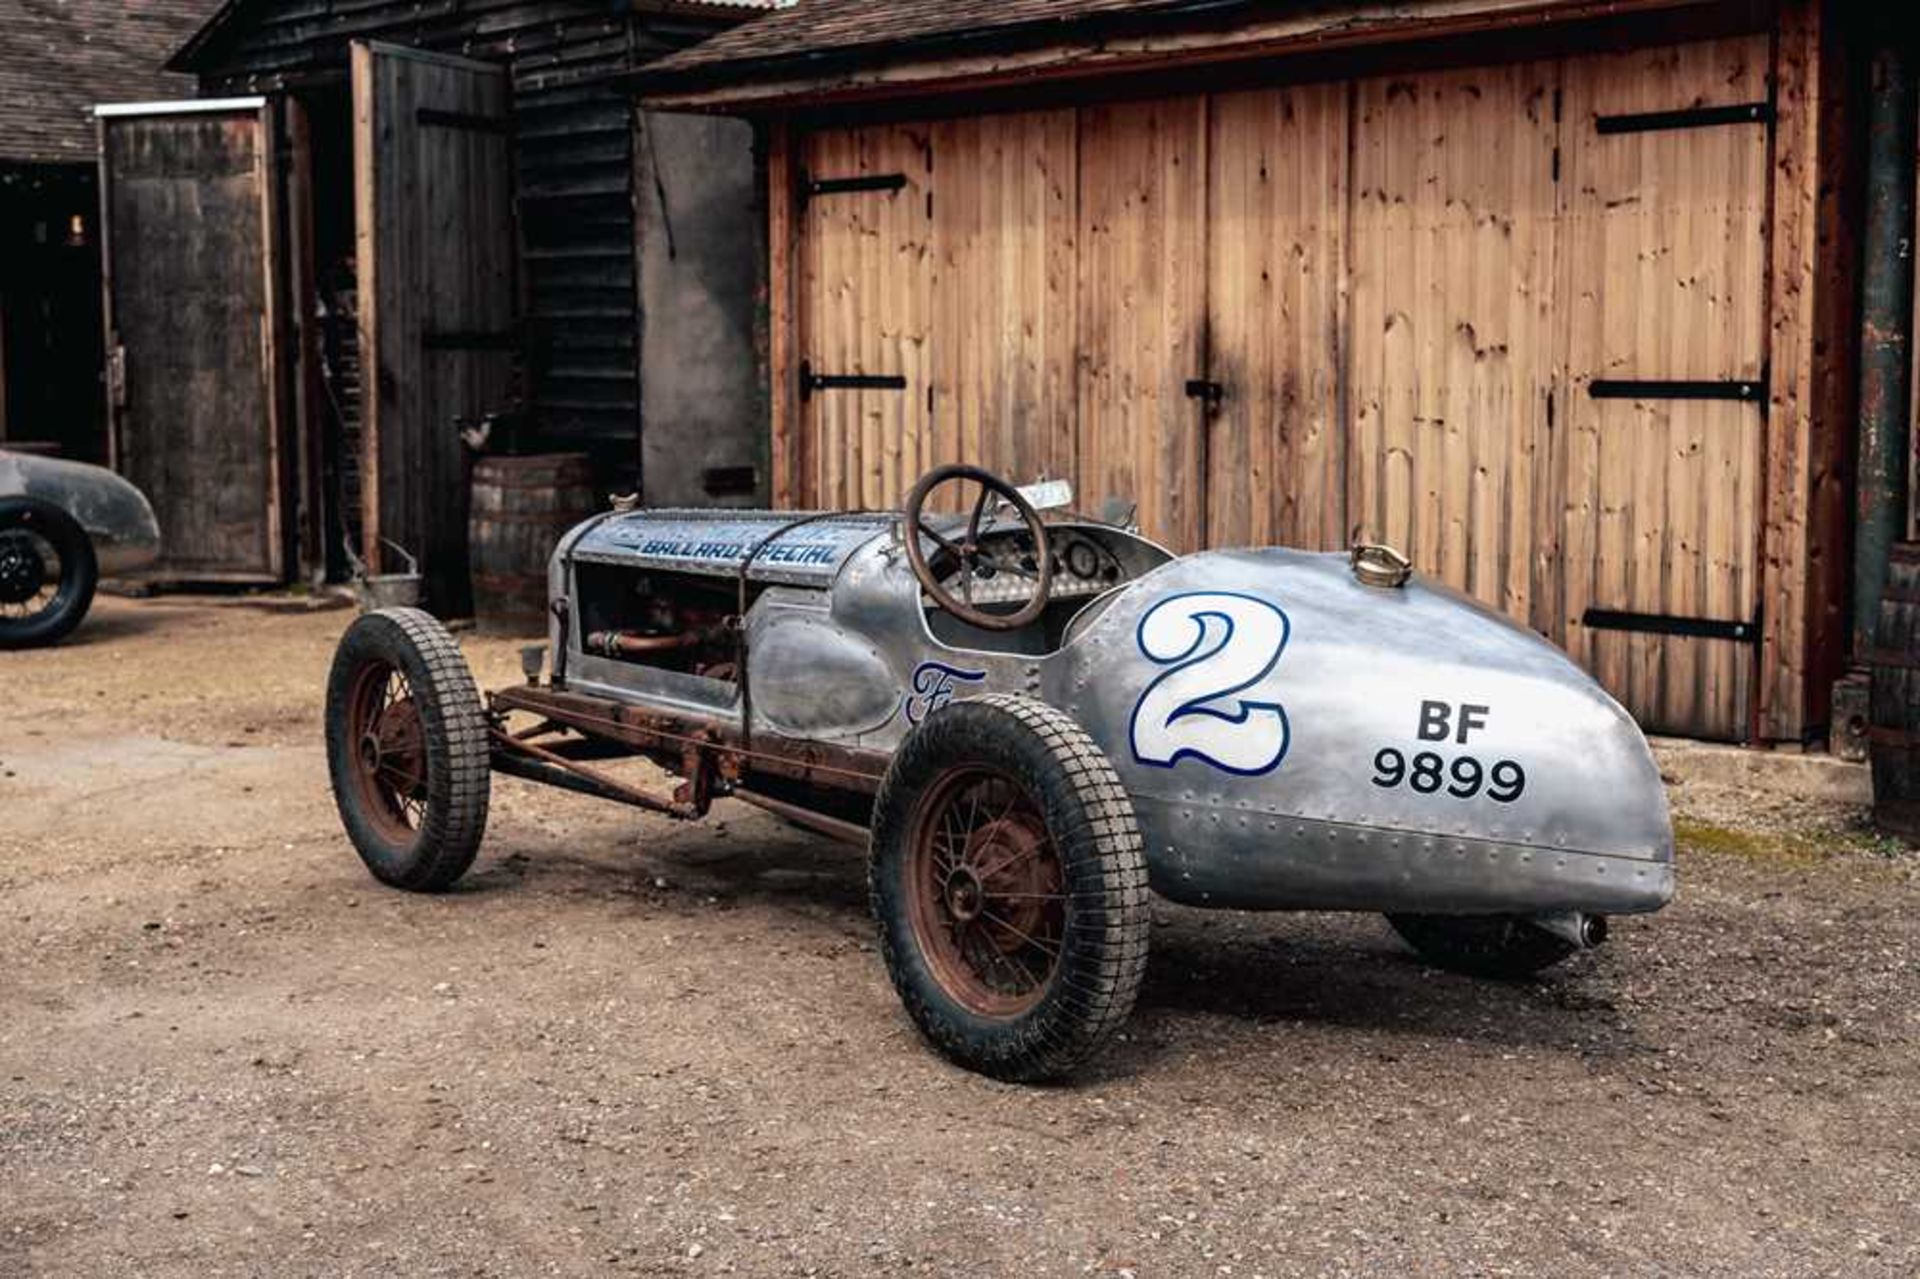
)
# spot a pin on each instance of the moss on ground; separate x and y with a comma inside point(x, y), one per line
point(1795, 849)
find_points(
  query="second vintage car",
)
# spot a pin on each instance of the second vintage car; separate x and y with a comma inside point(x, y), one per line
point(62, 526)
point(1034, 722)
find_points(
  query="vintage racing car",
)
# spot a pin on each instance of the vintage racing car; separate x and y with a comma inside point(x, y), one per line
point(1031, 723)
point(62, 525)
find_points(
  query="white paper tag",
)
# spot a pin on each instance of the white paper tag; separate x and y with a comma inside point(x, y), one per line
point(1048, 495)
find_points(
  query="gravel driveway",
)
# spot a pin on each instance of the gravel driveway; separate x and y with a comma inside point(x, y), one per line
point(633, 1047)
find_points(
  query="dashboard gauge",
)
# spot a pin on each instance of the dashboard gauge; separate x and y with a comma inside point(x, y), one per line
point(1082, 559)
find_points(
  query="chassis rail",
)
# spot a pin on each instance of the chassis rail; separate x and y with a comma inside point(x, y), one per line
point(712, 757)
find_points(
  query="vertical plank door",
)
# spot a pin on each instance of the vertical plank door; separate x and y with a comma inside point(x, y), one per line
point(434, 193)
point(191, 314)
point(1276, 217)
point(1454, 212)
point(865, 312)
point(1666, 195)
point(1003, 293)
point(1142, 290)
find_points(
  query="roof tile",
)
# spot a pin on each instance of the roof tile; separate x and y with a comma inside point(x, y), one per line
point(60, 57)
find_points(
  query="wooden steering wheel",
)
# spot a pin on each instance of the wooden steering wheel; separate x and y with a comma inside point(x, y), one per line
point(968, 555)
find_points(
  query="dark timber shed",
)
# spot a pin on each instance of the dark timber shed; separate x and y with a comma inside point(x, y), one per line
point(388, 216)
point(1560, 296)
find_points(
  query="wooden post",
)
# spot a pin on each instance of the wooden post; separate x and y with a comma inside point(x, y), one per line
point(309, 458)
point(1811, 290)
point(272, 335)
point(783, 409)
point(110, 344)
point(367, 318)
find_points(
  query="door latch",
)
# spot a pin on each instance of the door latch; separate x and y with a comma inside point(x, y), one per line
point(1207, 392)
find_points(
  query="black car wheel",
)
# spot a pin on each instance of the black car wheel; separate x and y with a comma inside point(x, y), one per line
point(1498, 946)
point(407, 749)
point(47, 573)
point(1010, 887)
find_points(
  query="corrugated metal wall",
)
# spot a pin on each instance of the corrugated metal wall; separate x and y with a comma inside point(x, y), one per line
point(573, 160)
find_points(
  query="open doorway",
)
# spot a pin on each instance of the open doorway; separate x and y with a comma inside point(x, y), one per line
point(332, 310)
point(51, 347)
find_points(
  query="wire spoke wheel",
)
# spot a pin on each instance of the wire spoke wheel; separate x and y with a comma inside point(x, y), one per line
point(407, 749)
point(47, 573)
point(389, 756)
point(1009, 885)
point(989, 893)
point(30, 574)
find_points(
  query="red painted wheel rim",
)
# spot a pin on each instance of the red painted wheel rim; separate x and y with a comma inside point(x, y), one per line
point(386, 745)
point(986, 892)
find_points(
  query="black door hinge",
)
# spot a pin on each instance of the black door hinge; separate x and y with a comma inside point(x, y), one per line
point(1745, 390)
point(811, 186)
point(1607, 619)
point(811, 381)
point(1686, 118)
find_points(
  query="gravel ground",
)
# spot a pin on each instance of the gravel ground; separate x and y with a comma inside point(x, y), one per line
point(634, 1047)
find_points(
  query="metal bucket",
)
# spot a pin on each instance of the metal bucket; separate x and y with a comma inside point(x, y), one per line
point(385, 590)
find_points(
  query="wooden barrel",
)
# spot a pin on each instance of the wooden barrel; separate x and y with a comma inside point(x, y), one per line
point(521, 506)
point(1894, 738)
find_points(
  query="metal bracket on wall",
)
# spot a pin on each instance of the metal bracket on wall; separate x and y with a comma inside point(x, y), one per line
point(811, 381)
point(1745, 390)
point(1606, 619)
point(1687, 118)
point(811, 186)
point(1741, 390)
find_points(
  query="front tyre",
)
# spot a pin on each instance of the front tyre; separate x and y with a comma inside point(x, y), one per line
point(1502, 947)
point(407, 749)
point(47, 573)
point(1009, 883)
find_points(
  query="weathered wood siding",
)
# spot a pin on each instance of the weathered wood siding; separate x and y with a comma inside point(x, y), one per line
point(1404, 289)
point(1453, 214)
point(1143, 266)
point(1005, 394)
point(190, 314)
point(1278, 224)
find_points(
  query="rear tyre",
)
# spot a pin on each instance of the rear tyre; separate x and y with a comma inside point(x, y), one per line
point(407, 749)
point(1010, 887)
point(1501, 947)
point(47, 573)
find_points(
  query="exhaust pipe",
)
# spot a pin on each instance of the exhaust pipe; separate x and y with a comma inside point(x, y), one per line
point(1577, 928)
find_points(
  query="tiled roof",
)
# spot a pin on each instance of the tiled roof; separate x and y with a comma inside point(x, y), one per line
point(221, 18)
point(886, 30)
point(60, 57)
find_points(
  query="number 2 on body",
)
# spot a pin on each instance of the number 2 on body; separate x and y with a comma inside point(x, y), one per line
point(1216, 644)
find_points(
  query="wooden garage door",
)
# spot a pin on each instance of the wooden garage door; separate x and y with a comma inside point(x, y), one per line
point(1664, 300)
point(1005, 318)
point(866, 303)
point(1142, 259)
point(1454, 210)
point(1277, 190)
point(1509, 319)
